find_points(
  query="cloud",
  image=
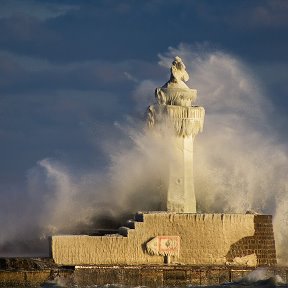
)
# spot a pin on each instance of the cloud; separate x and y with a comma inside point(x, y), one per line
point(270, 14)
point(105, 27)
point(142, 93)
point(259, 15)
point(49, 108)
point(36, 9)
point(33, 72)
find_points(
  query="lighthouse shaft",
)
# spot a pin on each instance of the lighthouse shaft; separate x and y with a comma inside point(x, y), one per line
point(174, 109)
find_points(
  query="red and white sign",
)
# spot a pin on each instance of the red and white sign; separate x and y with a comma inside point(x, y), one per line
point(164, 245)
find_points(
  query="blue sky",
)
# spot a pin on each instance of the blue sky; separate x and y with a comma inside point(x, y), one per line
point(69, 70)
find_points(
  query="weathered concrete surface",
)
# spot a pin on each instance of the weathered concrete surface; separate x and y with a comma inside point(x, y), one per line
point(204, 239)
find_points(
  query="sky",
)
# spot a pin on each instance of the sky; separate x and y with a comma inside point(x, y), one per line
point(71, 71)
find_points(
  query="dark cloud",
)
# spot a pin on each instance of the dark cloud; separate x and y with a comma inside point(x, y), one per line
point(269, 13)
point(36, 74)
point(85, 30)
point(41, 10)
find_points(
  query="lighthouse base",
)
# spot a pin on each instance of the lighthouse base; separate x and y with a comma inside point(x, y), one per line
point(205, 239)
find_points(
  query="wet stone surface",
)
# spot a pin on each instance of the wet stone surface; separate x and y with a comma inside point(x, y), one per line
point(19, 272)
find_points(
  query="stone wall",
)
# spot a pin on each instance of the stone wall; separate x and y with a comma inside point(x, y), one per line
point(173, 276)
point(142, 275)
point(217, 239)
point(261, 244)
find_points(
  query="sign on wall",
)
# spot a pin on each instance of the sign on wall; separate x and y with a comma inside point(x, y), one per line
point(164, 245)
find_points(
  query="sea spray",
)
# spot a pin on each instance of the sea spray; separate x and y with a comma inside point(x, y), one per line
point(75, 202)
point(239, 163)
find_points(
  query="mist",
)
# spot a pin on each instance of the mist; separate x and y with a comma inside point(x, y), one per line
point(240, 163)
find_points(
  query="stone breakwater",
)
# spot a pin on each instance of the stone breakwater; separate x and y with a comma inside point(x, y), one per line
point(26, 271)
point(205, 239)
point(213, 249)
point(42, 272)
point(167, 275)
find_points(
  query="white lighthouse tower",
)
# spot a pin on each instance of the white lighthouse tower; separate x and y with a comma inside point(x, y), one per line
point(174, 108)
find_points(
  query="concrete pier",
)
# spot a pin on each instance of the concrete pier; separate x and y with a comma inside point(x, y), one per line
point(205, 239)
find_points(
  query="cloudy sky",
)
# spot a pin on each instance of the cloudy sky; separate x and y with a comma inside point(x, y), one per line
point(69, 70)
